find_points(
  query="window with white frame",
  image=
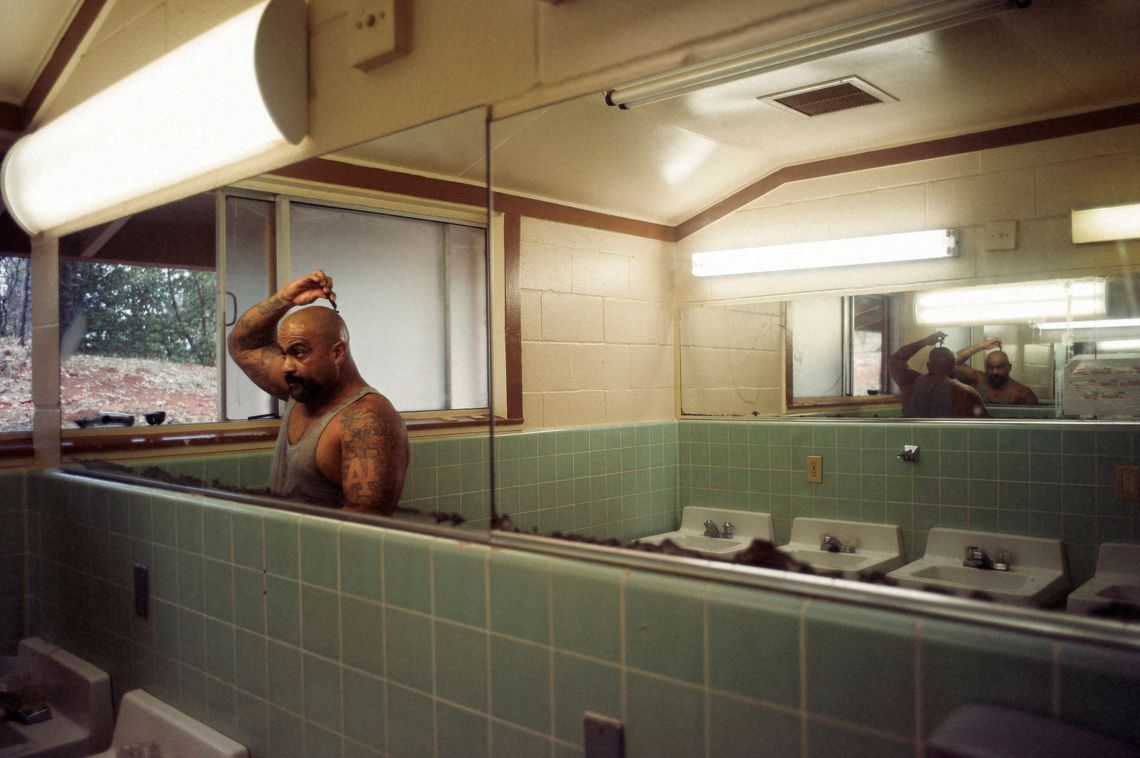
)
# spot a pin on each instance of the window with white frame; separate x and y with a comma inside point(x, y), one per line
point(412, 289)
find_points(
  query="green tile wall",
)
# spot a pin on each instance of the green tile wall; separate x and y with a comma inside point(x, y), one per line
point(1035, 479)
point(617, 481)
point(302, 636)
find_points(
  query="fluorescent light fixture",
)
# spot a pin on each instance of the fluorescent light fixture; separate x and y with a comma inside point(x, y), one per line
point(1118, 346)
point(910, 19)
point(1011, 303)
point(882, 248)
point(1120, 222)
point(1100, 324)
point(231, 94)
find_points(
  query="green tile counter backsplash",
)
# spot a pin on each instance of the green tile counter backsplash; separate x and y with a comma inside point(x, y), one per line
point(301, 636)
point(628, 481)
point(1053, 481)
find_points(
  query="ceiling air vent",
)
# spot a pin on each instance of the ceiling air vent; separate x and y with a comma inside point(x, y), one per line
point(828, 97)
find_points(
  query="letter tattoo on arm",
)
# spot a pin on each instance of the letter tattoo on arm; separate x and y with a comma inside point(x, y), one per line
point(369, 457)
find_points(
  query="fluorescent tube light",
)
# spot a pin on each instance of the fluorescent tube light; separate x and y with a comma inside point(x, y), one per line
point(911, 19)
point(882, 248)
point(231, 94)
point(1011, 303)
point(1104, 323)
point(1120, 222)
point(1118, 346)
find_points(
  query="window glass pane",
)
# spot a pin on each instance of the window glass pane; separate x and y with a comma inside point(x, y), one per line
point(15, 344)
point(467, 320)
point(136, 340)
point(249, 279)
point(870, 321)
point(394, 278)
point(816, 326)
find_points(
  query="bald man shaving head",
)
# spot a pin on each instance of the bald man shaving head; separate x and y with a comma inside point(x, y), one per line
point(935, 394)
point(341, 442)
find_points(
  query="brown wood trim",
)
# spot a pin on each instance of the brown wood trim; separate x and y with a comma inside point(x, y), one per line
point(512, 254)
point(17, 446)
point(110, 441)
point(384, 180)
point(11, 118)
point(852, 403)
point(134, 439)
point(68, 46)
point(565, 214)
point(1064, 126)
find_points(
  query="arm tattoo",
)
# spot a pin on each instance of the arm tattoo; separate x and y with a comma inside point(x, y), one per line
point(271, 305)
point(367, 461)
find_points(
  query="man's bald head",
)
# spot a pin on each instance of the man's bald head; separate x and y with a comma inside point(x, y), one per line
point(941, 360)
point(318, 323)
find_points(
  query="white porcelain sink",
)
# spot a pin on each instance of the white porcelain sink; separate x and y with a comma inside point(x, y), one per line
point(1037, 575)
point(749, 525)
point(1116, 581)
point(78, 694)
point(878, 547)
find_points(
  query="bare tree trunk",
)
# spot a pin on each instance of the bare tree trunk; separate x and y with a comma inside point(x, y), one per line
point(26, 296)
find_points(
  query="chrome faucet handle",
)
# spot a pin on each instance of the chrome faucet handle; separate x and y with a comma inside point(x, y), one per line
point(728, 530)
point(710, 529)
point(976, 558)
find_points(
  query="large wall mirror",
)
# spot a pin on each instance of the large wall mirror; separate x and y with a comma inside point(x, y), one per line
point(146, 302)
point(997, 129)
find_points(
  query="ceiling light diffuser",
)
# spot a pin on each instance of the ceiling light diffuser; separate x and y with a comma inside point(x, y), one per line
point(882, 248)
point(1120, 222)
point(1011, 303)
point(231, 94)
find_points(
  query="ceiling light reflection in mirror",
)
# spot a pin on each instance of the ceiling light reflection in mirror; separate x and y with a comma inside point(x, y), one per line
point(1010, 303)
point(882, 248)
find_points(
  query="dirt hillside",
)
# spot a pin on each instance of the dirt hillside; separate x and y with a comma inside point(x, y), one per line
point(89, 384)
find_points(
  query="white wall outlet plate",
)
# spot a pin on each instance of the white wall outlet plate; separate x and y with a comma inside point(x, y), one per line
point(1001, 235)
point(380, 31)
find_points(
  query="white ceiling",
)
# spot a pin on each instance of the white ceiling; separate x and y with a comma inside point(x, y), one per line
point(668, 161)
point(31, 30)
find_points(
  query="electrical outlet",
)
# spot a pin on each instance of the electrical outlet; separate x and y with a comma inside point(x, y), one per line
point(1128, 482)
point(815, 468)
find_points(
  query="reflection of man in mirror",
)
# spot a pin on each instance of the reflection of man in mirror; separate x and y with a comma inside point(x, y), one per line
point(994, 386)
point(341, 442)
point(935, 394)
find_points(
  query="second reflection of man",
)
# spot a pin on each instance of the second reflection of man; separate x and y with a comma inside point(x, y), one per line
point(995, 385)
point(935, 394)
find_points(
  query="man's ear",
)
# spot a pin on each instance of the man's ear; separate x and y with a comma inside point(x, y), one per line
point(340, 352)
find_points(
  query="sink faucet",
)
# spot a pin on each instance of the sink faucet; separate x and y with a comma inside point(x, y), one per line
point(710, 529)
point(833, 544)
point(728, 530)
point(977, 558)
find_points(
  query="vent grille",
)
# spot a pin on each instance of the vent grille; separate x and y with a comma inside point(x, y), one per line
point(829, 97)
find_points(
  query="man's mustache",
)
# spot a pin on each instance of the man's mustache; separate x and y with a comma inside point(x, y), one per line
point(291, 378)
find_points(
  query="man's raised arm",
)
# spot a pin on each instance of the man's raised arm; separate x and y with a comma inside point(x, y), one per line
point(969, 374)
point(253, 340)
point(898, 364)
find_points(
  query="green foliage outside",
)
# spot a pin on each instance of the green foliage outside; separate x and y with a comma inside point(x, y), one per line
point(139, 312)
